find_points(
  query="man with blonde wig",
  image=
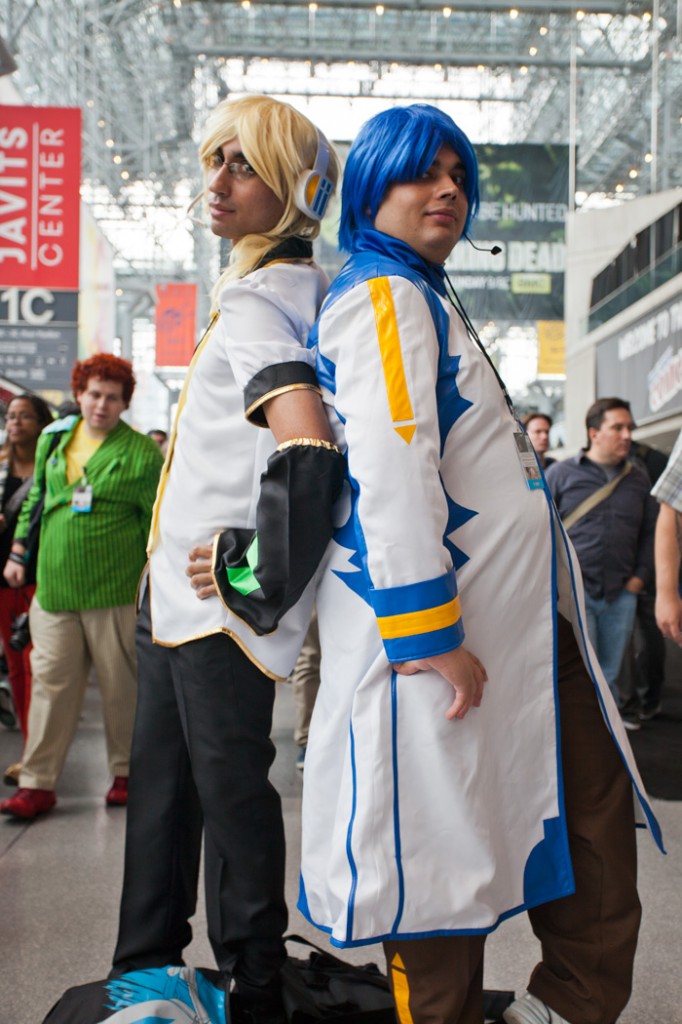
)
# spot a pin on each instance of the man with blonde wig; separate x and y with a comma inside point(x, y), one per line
point(201, 747)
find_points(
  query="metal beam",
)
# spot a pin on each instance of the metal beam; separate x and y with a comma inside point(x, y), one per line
point(561, 7)
point(341, 54)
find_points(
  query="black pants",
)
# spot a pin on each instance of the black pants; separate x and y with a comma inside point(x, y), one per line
point(200, 759)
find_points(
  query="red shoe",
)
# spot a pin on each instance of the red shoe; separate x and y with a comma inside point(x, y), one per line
point(28, 803)
point(118, 794)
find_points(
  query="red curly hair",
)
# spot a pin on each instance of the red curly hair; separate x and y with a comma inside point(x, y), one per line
point(104, 367)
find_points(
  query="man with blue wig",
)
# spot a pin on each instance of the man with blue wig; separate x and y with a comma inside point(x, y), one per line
point(442, 794)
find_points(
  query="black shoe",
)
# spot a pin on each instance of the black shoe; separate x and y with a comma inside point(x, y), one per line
point(252, 1005)
point(7, 714)
point(630, 721)
point(650, 711)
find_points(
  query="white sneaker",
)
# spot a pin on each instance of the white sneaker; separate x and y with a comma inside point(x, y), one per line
point(529, 1010)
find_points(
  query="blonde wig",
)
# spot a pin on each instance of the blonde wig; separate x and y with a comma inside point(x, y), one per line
point(280, 144)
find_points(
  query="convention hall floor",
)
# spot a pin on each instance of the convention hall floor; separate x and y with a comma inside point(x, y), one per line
point(60, 878)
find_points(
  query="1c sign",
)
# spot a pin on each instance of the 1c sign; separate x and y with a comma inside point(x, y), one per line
point(27, 306)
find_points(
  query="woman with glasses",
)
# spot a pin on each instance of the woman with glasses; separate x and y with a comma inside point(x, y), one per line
point(25, 418)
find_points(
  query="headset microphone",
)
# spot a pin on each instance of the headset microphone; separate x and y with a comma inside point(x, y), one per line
point(495, 251)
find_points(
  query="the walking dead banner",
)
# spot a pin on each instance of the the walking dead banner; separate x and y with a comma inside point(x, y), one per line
point(524, 202)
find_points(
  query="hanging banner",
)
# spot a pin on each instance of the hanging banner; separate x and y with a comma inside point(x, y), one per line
point(40, 159)
point(643, 363)
point(176, 310)
point(524, 202)
point(551, 348)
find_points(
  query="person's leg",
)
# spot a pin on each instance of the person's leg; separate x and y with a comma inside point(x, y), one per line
point(437, 980)
point(110, 635)
point(649, 656)
point(60, 665)
point(589, 939)
point(164, 822)
point(226, 704)
point(13, 603)
point(305, 681)
point(614, 629)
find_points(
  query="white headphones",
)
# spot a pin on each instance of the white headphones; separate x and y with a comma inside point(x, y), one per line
point(313, 188)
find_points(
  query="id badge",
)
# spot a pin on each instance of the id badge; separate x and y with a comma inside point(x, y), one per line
point(82, 498)
point(529, 462)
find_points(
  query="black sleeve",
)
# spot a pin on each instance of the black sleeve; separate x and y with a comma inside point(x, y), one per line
point(275, 380)
point(261, 573)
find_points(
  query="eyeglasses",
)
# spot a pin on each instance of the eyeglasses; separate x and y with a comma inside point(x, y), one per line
point(240, 170)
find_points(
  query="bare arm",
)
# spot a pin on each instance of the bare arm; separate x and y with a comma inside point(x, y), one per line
point(667, 558)
point(298, 413)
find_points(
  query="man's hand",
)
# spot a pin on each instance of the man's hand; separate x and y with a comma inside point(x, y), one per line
point(199, 571)
point(635, 585)
point(669, 615)
point(462, 669)
point(15, 574)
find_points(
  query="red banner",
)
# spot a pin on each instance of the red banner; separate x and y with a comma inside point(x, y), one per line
point(40, 163)
point(176, 310)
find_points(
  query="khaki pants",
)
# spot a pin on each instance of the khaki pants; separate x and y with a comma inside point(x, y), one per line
point(65, 646)
point(305, 680)
point(589, 939)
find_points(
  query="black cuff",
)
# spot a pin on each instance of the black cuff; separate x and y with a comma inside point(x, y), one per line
point(274, 380)
point(262, 573)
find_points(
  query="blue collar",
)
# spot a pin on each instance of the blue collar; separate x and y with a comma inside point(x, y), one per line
point(371, 240)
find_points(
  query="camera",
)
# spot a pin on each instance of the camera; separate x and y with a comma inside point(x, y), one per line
point(20, 637)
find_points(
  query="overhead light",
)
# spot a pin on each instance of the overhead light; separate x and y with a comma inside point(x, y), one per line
point(579, 15)
point(533, 51)
point(177, 3)
point(312, 7)
point(513, 13)
point(648, 158)
point(117, 159)
point(543, 30)
point(246, 4)
point(633, 172)
point(379, 9)
point(109, 143)
point(646, 16)
point(480, 67)
point(125, 175)
point(523, 69)
point(90, 103)
point(101, 123)
point(620, 188)
point(447, 11)
point(119, 293)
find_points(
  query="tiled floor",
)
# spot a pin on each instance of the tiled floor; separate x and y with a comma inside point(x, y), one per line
point(60, 878)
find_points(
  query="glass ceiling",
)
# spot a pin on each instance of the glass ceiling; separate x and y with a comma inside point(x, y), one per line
point(145, 73)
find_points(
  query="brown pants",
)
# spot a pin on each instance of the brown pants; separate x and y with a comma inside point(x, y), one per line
point(589, 939)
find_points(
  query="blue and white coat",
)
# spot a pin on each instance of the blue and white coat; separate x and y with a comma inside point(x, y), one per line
point(414, 825)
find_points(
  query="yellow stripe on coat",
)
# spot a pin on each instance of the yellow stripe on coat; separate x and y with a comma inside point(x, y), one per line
point(400, 406)
point(391, 627)
point(401, 990)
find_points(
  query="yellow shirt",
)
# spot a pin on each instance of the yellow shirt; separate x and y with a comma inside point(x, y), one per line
point(80, 448)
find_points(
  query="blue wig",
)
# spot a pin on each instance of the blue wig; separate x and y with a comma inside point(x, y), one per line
point(396, 146)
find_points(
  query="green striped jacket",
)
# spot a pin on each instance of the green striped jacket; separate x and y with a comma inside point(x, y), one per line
point(92, 559)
